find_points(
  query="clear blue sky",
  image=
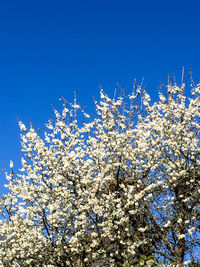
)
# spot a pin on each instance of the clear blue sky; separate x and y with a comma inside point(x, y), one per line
point(49, 48)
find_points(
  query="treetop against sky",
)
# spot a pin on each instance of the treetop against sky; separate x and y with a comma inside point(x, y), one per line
point(48, 49)
point(137, 161)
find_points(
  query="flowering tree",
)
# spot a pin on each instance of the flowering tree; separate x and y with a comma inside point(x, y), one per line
point(121, 189)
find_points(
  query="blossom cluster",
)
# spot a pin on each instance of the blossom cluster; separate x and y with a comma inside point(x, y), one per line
point(109, 191)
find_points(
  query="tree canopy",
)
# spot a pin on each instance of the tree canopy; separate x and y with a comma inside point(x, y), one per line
point(120, 188)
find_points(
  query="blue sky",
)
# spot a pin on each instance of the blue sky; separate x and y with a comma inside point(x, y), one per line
point(50, 48)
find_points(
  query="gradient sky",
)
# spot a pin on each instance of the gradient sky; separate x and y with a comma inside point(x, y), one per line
point(50, 48)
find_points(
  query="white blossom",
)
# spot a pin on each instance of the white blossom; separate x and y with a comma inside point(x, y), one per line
point(11, 164)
